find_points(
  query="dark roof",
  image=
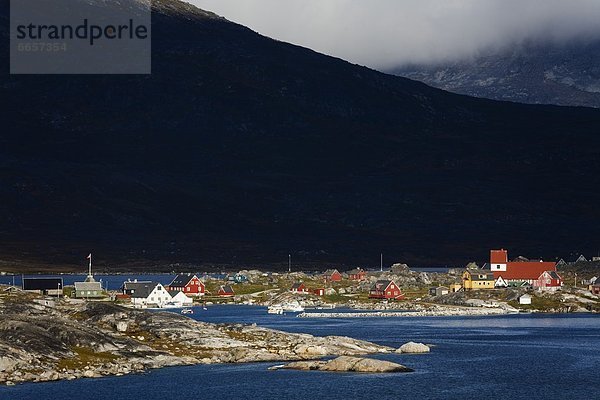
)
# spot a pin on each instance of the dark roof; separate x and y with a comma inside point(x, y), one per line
point(226, 289)
point(480, 275)
point(381, 285)
point(42, 283)
point(139, 289)
point(297, 285)
point(553, 274)
point(181, 280)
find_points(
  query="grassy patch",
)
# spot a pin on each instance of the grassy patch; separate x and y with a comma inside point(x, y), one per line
point(541, 303)
point(85, 356)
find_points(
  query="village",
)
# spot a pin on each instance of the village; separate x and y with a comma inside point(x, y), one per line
point(519, 284)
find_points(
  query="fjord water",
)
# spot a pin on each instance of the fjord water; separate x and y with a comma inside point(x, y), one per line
point(516, 356)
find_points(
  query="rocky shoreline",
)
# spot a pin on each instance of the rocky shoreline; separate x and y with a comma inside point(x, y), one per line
point(66, 340)
point(407, 314)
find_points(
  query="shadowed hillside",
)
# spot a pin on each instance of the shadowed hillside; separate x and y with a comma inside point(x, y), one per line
point(239, 149)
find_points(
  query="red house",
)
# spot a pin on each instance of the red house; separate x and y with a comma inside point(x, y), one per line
point(548, 280)
point(190, 285)
point(521, 272)
point(385, 289)
point(298, 287)
point(226, 291)
point(357, 274)
point(332, 275)
point(319, 291)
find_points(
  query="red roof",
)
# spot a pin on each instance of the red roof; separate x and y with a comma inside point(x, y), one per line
point(525, 270)
point(498, 256)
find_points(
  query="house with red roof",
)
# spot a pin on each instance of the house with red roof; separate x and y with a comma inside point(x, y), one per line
point(520, 272)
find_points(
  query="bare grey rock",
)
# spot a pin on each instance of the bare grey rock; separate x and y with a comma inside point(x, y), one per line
point(119, 341)
point(413, 348)
point(7, 364)
point(349, 364)
point(121, 326)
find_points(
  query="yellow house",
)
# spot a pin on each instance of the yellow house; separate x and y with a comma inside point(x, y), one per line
point(455, 287)
point(477, 279)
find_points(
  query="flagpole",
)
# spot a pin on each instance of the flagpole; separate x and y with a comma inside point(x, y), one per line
point(90, 265)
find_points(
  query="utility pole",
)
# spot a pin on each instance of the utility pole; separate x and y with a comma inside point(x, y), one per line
point(289, 263)
point(575, 279)
point(381, 262)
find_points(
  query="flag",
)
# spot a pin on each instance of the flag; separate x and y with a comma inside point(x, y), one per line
point(89, 257)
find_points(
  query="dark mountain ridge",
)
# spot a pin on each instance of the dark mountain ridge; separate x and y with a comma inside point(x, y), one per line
point(239, 149)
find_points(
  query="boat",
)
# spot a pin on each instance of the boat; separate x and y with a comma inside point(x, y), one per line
point(292, 306)
point(172, 305)
point(288, 306)
point(187, 311)
point(275, 309)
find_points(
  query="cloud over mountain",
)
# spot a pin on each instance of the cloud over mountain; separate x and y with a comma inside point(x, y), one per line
point(387, 33)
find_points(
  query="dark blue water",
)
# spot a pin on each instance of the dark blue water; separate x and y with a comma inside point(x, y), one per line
point(109, 282)
point(512, 357)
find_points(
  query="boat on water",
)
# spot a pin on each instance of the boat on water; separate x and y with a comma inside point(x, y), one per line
point(291, 306)
point(325, 307)
point(187, 311)
point(276, 309)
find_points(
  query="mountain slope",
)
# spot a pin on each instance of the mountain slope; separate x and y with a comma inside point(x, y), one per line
point(537, 73)
point(239, 149)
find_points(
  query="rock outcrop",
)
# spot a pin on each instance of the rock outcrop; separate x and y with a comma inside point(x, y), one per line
point(349, 364)
point(74, 340)
point(413, 348)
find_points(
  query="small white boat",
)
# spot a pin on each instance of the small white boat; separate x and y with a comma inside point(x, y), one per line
point(293, 306)
point(172, 305)
point(277, 309)
point(187, 311)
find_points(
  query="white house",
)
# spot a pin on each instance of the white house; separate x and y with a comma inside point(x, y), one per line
point(525, 299)
point(147, 294)
point(180, 299)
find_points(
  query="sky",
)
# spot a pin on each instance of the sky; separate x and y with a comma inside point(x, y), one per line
point(389, 33)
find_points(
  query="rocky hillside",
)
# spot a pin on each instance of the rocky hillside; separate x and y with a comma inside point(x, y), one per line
point(239, 149)
point(566, 74)
point(43, 340)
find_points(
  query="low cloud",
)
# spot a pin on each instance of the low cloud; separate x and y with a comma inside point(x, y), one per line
point(388, 33)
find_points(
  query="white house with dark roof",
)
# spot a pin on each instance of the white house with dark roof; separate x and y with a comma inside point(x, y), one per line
point(180, 299)
point(147, 294)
